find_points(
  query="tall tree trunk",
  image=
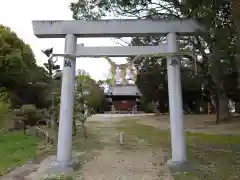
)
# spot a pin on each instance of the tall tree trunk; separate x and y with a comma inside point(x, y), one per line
point(223, 107)
point(221, 96)
point(237, 107)
point(236, 20)
point(222, 101)
point(155, 108)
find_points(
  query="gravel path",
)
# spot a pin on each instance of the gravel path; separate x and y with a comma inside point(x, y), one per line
point(114, 163)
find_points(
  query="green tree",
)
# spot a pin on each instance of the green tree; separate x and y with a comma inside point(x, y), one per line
point(88, 98)
point(19, 73)
point(213, 48)
point(16, 58)
point(94, 94)
point(220, 39)
point(52, 68)
point(236, 22)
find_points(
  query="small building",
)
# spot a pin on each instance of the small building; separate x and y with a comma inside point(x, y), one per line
point(124, 98)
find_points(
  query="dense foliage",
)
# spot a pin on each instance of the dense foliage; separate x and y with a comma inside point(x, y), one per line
point(215, 49)
point(19, 73)
point(30, 93)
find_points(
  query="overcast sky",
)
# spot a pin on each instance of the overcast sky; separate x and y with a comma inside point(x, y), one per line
point(18, 14)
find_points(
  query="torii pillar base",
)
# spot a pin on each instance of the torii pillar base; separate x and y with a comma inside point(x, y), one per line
point(180, 165)
point(57, 171)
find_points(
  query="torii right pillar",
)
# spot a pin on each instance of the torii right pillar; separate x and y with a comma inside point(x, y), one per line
point(178, 140)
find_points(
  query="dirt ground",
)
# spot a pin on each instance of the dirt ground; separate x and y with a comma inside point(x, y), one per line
point(107, 160)
point(115, 162)
point(195, 123)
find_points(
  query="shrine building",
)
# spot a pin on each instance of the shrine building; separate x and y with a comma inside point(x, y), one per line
point(124, 98)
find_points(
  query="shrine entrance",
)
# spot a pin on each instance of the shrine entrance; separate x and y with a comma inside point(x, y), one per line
point(71, 30)
point(123, 99)
point(124, 105)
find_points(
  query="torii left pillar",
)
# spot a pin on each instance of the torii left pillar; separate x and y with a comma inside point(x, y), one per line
point(64, 148)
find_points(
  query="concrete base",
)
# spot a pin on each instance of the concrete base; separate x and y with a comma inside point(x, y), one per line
point(181, 166)
point(57, 171)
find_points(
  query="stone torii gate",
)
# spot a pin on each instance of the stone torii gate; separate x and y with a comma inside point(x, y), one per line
point(71, 30)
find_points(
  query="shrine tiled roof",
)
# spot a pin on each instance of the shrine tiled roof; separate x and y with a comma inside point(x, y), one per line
point(125, 90)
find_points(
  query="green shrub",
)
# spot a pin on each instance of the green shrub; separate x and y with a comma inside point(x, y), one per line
point(17, 119)
point(5, 106)
point(27, 115)
point(28, 108)
point(41, 113)
point(147, 107)
point(30, 115)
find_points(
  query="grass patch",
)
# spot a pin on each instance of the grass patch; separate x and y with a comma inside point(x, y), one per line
point(90, 146)
point(15, 149)
point(134, 131)
point(94, 122)
point(79, 143)
point(214, 156)
point(82, 144)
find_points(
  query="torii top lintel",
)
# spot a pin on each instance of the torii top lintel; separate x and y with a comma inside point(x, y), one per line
point(114, 28)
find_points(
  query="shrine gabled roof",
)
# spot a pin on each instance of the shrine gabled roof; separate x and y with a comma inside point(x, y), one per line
point(125, 90)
